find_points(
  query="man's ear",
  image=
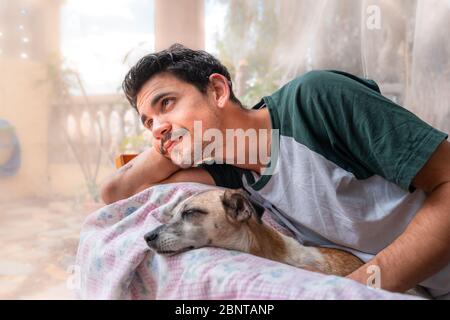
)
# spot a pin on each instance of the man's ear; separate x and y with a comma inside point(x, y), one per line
point(237, 206)
point(221, 89)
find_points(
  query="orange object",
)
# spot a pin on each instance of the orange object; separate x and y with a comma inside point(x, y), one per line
point(122, 159)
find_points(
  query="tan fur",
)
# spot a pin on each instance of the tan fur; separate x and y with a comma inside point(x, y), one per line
point(268, 243)
point(340, 262)
point(229, 223)
point(265, 242)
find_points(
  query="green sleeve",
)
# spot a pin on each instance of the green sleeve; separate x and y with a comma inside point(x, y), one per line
point(352, 124)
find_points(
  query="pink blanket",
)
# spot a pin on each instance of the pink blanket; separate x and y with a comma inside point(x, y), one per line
point(114, 261)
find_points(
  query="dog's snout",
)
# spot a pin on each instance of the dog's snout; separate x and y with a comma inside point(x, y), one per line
point(151, 236)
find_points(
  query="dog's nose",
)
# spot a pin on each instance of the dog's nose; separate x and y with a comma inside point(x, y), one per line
point(150, 236)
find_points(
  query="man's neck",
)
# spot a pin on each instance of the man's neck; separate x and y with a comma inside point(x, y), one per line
point(254, 156)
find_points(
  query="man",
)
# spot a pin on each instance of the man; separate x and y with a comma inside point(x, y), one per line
point(348, 168)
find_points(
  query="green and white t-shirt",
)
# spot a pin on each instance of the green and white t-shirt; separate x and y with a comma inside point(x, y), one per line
point(346, 160)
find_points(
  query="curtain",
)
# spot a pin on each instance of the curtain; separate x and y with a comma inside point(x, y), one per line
point(403, 45)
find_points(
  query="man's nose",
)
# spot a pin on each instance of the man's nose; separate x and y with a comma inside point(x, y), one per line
point(159, 129)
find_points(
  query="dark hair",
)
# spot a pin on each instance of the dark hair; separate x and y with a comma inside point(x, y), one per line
point(191, 66)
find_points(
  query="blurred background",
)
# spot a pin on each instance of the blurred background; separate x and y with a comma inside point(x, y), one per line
point(63, 117)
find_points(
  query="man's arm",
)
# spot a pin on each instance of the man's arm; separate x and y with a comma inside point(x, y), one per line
point(184, 175)
point(145, 170)
point(148, 167)
point(424, 247)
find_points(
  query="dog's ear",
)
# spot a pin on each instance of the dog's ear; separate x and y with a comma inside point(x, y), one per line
point(237, 206)
point(259, 211)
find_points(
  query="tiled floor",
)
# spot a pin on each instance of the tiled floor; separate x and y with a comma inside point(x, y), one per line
point(38, 246)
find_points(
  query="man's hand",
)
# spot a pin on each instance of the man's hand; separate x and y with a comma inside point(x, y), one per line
point(424, 247)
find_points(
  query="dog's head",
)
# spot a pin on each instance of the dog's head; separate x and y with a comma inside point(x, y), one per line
point(210, 218)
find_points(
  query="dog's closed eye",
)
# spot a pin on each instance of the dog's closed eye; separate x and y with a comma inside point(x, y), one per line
point(191, 211)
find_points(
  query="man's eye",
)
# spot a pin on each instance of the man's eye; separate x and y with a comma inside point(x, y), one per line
point(150, 124)
point(165, 103)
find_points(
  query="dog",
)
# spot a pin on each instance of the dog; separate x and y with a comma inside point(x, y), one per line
point(227, 219)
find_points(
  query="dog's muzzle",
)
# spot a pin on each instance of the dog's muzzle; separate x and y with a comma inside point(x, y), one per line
point(152, 236)
point(152, 239)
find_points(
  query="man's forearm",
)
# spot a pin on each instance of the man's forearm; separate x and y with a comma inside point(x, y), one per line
point(422, 250)
point(149, 167)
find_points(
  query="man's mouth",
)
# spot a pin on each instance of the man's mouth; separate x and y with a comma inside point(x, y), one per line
point(169, 141)
point(169, 145)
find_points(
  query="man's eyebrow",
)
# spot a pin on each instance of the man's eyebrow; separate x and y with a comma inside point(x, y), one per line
point(154, 102)
point(158, 97)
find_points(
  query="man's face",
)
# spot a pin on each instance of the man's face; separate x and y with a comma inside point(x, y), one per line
point(168, 108)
